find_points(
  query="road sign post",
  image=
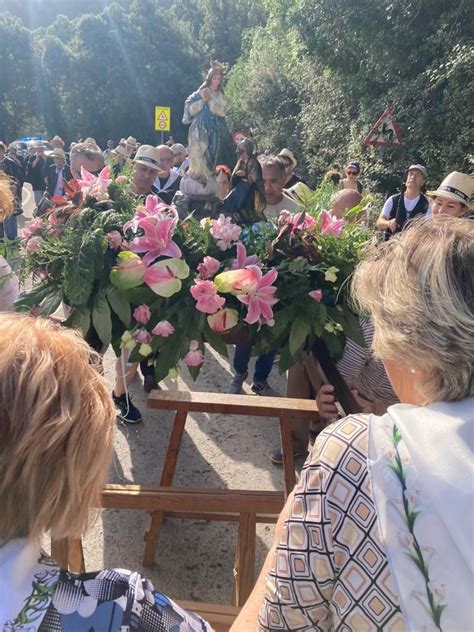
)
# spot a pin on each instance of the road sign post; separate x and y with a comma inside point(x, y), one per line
point(162, 120)
point(385, 132)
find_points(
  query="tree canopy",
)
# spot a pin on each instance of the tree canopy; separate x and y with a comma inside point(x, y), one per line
point(313, 75)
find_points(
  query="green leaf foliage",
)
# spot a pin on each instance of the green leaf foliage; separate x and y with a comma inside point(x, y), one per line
point(83, 266)
point(80, 319)
point(216, 341)
point(30, 298)
point(299, 332)
point(119, 304)
point(101, 319)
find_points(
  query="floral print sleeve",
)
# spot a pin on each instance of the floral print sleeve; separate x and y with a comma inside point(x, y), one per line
point(115, 600)
point(330, 571)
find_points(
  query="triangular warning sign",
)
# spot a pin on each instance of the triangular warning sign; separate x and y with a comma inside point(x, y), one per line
point(163, 116)
point(385, 132)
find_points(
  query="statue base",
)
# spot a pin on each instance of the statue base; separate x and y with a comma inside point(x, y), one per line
point(194, 188)
point(209, 206)
point(194, 197)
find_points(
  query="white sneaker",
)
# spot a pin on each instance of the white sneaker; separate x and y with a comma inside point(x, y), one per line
point(235, 386)
point(264, 389)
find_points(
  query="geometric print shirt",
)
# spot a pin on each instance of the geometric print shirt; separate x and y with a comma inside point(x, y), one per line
point(330, 570)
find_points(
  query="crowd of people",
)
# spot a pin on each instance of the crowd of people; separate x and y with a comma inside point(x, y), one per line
point(346, 549)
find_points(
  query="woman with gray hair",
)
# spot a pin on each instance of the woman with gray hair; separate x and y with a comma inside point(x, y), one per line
point(378, 532)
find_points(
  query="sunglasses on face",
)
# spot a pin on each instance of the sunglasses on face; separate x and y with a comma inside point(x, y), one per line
point(352, 173)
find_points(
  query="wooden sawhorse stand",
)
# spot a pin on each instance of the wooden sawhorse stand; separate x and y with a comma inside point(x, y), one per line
point(184, 402)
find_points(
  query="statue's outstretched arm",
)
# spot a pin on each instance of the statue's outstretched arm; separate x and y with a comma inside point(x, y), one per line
point(193, 106)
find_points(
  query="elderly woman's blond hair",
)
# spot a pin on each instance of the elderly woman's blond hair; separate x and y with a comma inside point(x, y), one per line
point(56, 421)
point(6, 197)
point(419, 289)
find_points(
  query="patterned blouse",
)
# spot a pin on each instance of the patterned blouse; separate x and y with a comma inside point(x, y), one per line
point(330, 571)
point(113, 600)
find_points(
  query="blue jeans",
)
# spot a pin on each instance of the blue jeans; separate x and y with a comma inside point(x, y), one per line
point(10, 227)
point(263, 365)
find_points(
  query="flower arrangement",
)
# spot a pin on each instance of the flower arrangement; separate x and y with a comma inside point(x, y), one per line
point(133, 274)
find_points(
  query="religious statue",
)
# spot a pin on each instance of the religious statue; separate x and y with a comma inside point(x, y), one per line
point(204, 112)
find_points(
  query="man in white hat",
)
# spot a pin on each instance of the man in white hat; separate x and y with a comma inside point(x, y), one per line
point(118, 157)
point(168, 179)
point(57, 142)
point(454, 196)
point(146, 166)
point(58, 173)
point(401, 208)
point(131, 146)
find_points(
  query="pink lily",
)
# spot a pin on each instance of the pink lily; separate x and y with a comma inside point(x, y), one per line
point(224, 231)
point(164, 277)
point(89, 182)
point(302, 221)
point(330, 225)
point(261, 297)
point(242, 260)
point(157, 240)
point(153, 207)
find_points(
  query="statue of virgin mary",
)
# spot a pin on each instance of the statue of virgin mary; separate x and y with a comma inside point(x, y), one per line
point(204, 112)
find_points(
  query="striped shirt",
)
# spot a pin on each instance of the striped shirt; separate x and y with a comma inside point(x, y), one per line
point(362, 371)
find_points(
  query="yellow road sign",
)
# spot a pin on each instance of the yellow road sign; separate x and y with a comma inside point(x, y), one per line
point(162, 118)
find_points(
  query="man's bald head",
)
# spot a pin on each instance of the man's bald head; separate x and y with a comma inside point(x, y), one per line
point(166, 158)
point(87, 156)
point(344, 201)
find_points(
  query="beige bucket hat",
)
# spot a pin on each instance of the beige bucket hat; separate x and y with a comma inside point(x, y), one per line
point(119, 150)
point(58, 153)
point(458, 187)
point(148, 156)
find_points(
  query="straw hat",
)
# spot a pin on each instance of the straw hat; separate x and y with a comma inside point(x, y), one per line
point(131, 142)
point(57, 139)
point(58, 153)
point(148, 156)
point(458, 187)
point(119, 151)
point(287, 153)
